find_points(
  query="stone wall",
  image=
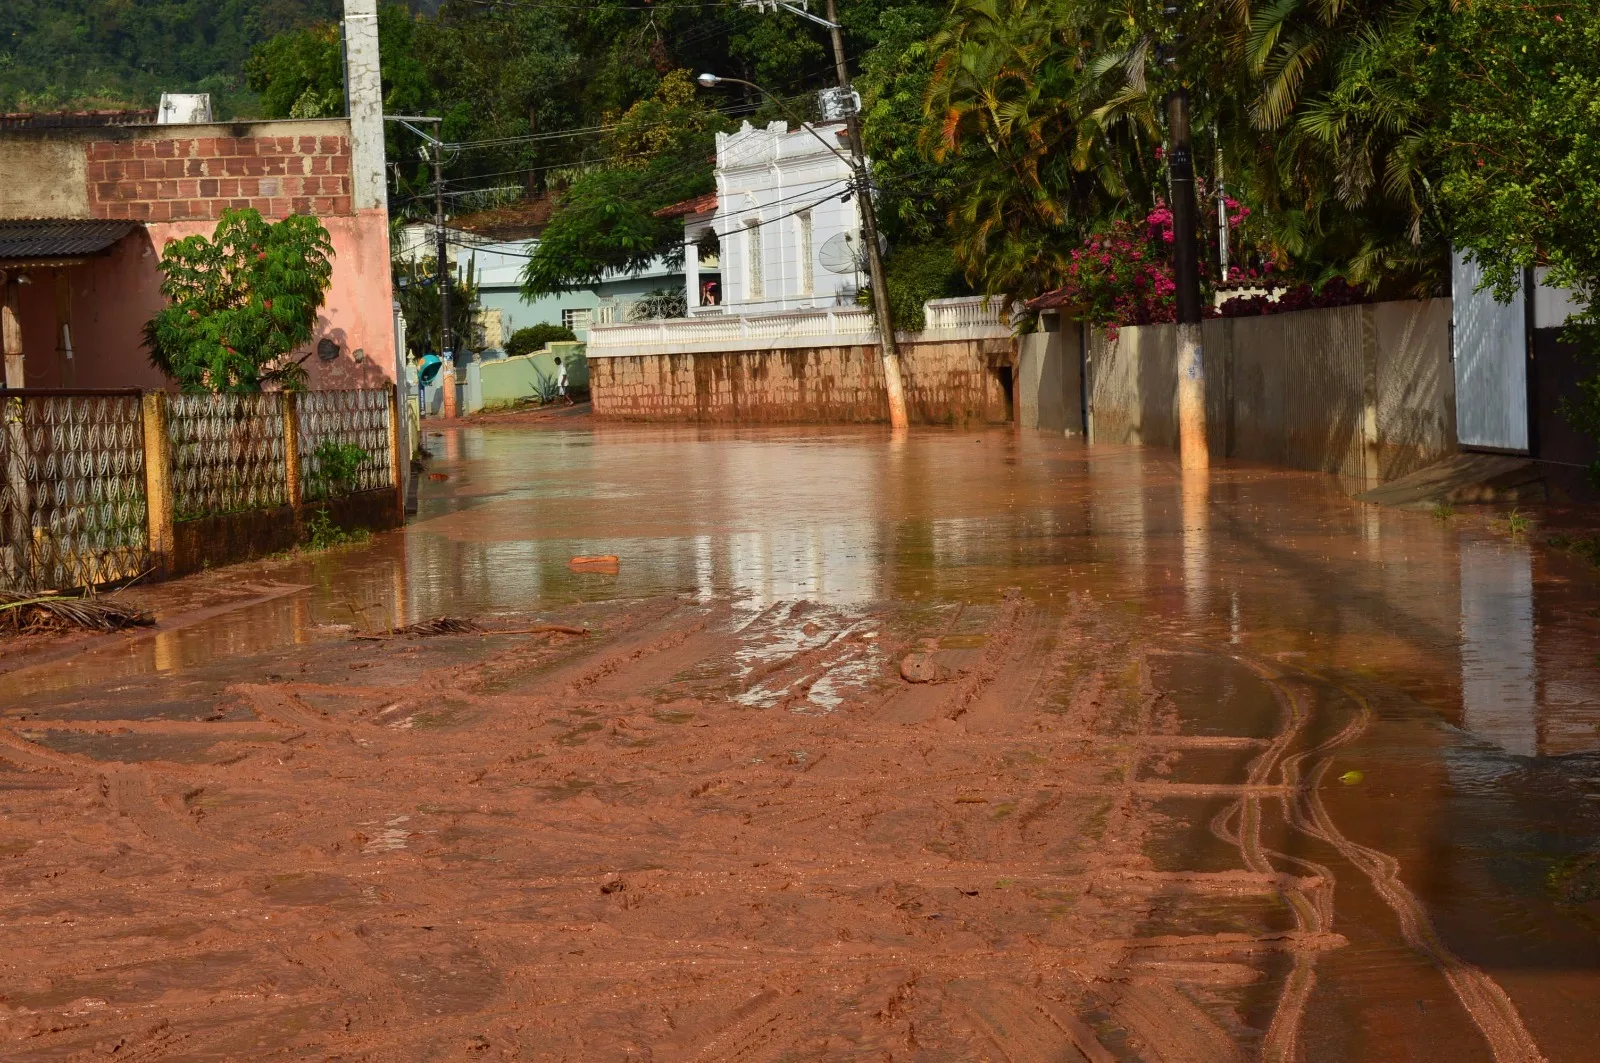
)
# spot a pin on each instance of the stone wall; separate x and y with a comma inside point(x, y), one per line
point(955, 382)
point(1364, 391)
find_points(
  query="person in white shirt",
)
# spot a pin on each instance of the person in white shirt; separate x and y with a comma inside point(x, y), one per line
point(561, 382)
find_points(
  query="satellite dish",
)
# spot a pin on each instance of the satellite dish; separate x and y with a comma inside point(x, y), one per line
point(845, 253)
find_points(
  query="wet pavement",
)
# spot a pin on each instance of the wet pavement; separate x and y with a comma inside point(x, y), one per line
point(1240, 768)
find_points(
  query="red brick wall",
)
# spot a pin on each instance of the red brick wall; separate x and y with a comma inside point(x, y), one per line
point(191, 178)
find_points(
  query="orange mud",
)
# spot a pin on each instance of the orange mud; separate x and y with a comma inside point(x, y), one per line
point(1022, 825)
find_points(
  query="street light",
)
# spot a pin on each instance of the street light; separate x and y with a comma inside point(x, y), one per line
point(711, 81)
point(893, 378)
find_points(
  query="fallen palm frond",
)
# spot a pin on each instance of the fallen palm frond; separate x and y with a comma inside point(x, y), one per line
point(439, 625)
point(53, 612)
point(449, 625)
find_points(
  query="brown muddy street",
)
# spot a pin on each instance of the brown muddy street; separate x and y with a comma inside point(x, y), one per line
point(957, 746)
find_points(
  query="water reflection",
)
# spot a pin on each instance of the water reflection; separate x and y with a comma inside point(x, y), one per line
point(1272, 562)
point(1499, 693)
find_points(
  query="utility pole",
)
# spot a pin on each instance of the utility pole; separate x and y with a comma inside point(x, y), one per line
point(1192, 450)
point(893, 378)
point(441, 267)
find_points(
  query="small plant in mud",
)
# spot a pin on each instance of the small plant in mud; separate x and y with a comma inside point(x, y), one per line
point(1518, 522)
point(1443, 511)
point(1587, 548)
point(323, 534)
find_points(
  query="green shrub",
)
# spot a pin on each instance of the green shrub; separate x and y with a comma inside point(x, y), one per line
point(338, 468)
point(537, 338)
point(917, 274)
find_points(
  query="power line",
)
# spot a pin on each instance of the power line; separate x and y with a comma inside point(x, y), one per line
point(563, 134)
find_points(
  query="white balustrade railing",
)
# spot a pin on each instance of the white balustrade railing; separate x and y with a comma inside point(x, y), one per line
point(967, 312)
point(711, 331)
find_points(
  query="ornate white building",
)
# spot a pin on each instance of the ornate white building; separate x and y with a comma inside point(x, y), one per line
point(781, 196)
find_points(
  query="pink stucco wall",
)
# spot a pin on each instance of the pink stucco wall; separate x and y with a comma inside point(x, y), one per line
point(113, 295)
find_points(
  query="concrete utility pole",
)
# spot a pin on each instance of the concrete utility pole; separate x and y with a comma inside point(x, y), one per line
point(441, 268)
point(1186, 272)
point(893, 377)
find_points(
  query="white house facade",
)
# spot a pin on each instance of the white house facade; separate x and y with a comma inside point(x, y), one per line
point(781, 196)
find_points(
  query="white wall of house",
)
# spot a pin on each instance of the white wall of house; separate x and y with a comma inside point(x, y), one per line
point(499, 273)
point(778, 201)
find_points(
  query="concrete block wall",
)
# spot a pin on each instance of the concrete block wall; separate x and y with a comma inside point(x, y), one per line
point(1367, 392)
point(952, 382)
point(1050, 381)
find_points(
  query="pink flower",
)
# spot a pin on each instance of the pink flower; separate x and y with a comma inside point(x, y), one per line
point(1168, 236)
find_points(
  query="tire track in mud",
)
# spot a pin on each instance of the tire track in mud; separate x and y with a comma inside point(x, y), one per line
point(1485, 1002)
point(1310, 897)
point(1152, 1007)
point(700, 939)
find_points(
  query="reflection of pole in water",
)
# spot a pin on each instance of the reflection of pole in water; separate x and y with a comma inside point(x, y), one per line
point(1196, 541)
point(704, 569)
point(1499, 698)
point(1117, 515)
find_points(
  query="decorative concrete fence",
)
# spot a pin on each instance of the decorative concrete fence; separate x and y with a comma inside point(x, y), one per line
point(968, 317)
point(102, 486)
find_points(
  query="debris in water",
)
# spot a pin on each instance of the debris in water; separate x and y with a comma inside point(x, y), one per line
point(59, 612)
point(608, 563)
point(440, 625)
point(1350, 778)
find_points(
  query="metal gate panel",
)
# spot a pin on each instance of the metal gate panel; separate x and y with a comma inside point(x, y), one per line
point(1491, 358)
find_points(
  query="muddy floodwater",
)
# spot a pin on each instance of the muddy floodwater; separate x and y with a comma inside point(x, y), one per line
point(952, 746)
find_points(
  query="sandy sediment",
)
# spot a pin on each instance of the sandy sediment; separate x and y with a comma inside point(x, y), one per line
point(709, 830)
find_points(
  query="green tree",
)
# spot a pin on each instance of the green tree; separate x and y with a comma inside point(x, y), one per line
point(1520, 142)
point(607, 219)
point(240, 304)
point(60, 53)
point(416, 288)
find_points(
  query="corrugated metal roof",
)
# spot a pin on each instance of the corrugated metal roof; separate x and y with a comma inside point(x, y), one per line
point(59, 239)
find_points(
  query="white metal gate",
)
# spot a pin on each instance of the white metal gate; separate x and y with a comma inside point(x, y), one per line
point(1491, 358)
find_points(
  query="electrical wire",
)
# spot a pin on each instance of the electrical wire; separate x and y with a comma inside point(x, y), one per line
point(564, 134)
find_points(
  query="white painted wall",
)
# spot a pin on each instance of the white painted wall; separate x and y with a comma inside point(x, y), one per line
point(766, 179)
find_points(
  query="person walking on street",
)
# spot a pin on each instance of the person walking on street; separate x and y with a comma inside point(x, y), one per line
point(561, 382)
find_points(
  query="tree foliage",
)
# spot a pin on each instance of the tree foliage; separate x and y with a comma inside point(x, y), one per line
point(607, 220)
point(241, 303)
point(59, 53)
point(417, 292)
point(537, 338)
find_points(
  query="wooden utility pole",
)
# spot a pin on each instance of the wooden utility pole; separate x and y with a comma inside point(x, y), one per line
point(1192, 450)
point(893, 377)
